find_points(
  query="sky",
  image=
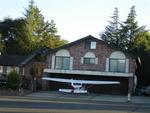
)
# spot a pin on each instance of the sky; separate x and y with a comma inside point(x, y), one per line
point(78, 18)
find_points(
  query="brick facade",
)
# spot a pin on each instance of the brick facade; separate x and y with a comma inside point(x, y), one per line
point(77, 50)
point(102, 52)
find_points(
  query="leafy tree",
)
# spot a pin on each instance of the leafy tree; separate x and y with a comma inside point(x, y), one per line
point(14, 36)
point(141, 47)
point(41, 33)
point(24, 35)
point(14, 80)
point(112, 31)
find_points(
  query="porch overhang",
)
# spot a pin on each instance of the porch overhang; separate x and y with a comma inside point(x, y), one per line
point(85, 72)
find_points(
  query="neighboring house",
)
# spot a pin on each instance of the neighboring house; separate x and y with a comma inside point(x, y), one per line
point(29, 67)
point(91, 59)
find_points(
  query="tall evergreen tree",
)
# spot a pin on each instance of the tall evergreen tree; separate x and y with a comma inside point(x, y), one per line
point(130, 28)
point(40, 32)
point(34, 24)
point(111, 35)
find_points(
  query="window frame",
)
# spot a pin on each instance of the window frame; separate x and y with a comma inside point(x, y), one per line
point(93, 46)
point(88, 44)
point(62, 62)
point(89, 60)
point(117, 65)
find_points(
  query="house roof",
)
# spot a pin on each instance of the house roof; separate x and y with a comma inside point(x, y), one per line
point(90, 37)
point(11, 60)
point(15, 60)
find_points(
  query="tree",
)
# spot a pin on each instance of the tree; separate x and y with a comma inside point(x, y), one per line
point(14, 37)
point(112, 31)
point(14, 80)
point(141, 48)
point(24, 35)
point(130, 28)
point(41, 33)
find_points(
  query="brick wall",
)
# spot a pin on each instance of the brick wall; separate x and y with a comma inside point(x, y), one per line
point(102, 52)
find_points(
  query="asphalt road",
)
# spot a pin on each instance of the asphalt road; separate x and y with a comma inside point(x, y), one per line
point(43, 106)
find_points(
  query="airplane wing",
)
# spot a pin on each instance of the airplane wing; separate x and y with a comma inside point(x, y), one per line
point(80, 81)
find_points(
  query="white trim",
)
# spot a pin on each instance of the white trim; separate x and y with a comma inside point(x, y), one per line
point(1, 69)
point(23, 71)
point(82, 59)
point(127, 66)
point(118, 55)
point(71, 63)
point(63, 52)
point(53, 62)
point(96, 60)
point(98, 73)
point(107, 65)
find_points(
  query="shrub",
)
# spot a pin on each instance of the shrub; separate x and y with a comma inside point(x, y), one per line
point(14, 80)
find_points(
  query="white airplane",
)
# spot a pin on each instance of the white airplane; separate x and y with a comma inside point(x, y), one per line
point(77, 85)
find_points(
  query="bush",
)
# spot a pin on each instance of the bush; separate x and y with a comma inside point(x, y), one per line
point(14, 80)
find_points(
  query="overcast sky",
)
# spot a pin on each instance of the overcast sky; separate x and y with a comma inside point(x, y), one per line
point(78, 18)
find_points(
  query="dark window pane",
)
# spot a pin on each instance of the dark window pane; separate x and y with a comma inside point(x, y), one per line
point(62, 63)
point(66, 63)
point(117, 65)
point(113, 65)
point(87, 45)
point(121, 65)
point(58, 63)
point(89, 60)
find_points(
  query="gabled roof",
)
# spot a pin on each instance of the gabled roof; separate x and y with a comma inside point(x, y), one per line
point(89, 37)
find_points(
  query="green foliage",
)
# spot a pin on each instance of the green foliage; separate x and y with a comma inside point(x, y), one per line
point(24, 35)
point(142, 40)
point(40, 32)
point(122, 34)
point(13, 36)
point(141, 47)
point(130, 28)
point(14, 80)
point(112, 31)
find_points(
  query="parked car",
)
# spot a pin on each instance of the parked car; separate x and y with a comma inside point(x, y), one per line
point(146, 90)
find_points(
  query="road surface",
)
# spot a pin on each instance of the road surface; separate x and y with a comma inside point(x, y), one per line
point(47, 106)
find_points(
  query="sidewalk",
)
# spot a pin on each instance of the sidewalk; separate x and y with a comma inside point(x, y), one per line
point(88, 97)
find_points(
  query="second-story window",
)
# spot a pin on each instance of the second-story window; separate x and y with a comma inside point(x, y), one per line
point(89, 60)
point(62, 62)
point(90, 45)
point(93, 45)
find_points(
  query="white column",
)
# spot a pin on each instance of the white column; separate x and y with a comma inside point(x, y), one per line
point(107, 65)
point(127, 66)
point(71, 63)
point(53, 62)
point(96, 60)
point(82, 60)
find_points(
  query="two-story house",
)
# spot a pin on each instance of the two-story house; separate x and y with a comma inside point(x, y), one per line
point(91, 59)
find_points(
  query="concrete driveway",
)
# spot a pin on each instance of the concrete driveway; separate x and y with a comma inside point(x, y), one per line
point(54, 95)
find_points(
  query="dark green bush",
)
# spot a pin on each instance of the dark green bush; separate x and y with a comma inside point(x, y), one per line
point(14, 80)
